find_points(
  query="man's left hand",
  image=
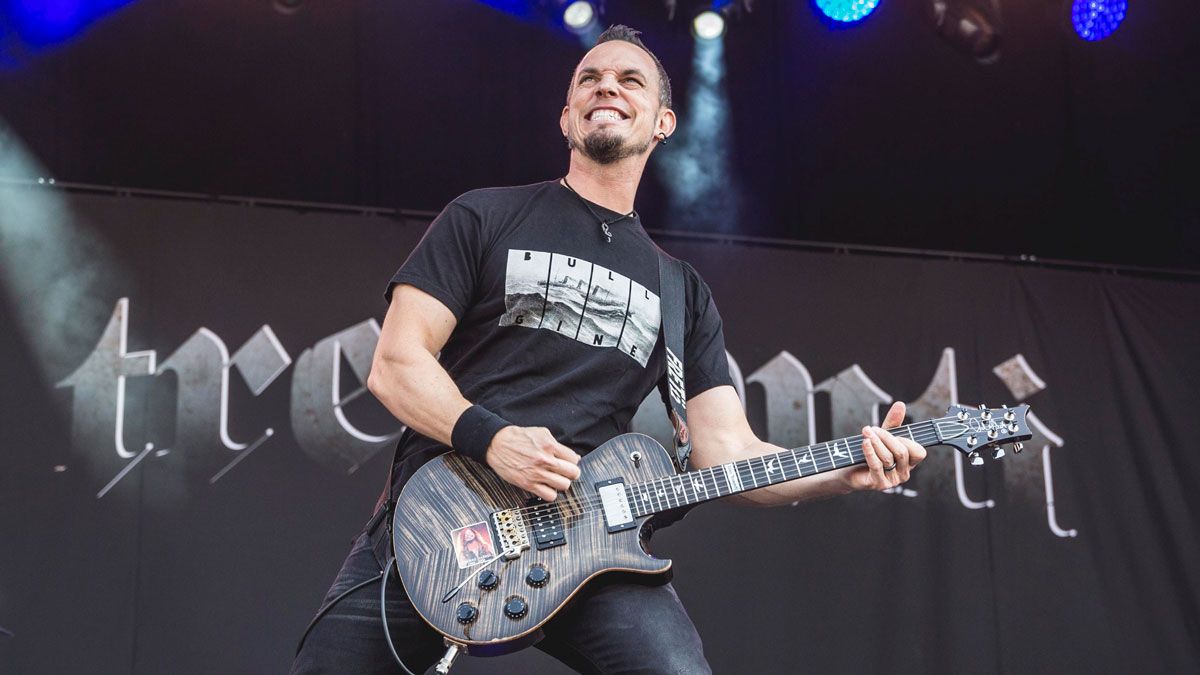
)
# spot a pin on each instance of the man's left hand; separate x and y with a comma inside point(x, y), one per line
point(890, 460)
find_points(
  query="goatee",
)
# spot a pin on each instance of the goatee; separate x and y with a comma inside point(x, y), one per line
point(606, 148)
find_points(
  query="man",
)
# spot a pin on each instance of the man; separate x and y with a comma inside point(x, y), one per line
point(522, 331)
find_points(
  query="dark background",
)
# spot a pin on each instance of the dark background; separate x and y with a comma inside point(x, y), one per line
point(170, 574)
point(880, 133)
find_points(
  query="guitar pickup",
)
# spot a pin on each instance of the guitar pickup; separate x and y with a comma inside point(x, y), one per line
point(546, 521)
point(615, 503)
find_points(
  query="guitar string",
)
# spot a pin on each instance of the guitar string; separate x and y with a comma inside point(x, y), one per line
point(584, 506)
point(809, 448)
point(584, 509)
point(586, 516)
point(545, 508)
point(654, 502)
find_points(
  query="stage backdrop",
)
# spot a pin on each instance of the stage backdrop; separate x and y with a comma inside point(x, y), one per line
point(187, 450)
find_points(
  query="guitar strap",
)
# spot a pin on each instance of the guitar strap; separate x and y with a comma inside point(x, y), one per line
point(671, 297)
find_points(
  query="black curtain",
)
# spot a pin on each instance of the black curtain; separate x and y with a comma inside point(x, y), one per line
point(176, 569)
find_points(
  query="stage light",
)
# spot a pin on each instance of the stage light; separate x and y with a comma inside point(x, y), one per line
point(970, 26)
point(1097, 19)
point(288, 6)
point(577, 16)
point(696, 167)
point(708, 25)
point(44, 22)
point(846, 11)
point(58, 275)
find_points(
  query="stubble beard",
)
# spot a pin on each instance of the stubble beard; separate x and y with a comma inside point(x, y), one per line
point(607, 147)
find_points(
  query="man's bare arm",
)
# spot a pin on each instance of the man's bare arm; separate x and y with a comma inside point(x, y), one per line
point(407, 378)
point(721, 434)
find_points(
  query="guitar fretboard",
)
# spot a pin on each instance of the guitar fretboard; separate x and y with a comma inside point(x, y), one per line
point(714, 482)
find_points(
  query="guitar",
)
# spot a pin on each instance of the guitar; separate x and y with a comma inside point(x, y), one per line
point(487, 566)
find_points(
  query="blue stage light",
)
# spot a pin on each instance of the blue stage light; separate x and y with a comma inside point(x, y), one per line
point(44, 22)
point(1097, 19)
point(696, 169)
point(846, 11)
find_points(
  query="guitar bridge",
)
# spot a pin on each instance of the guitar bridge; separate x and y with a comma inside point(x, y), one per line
point(510, 532)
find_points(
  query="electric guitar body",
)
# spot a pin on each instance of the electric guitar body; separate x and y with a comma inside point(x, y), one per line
point(487, 565)
point(454, 515)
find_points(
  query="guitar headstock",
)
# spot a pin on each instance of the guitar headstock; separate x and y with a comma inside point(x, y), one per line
point(972, 430)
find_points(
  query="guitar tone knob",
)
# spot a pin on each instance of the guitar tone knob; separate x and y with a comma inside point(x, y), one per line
point(466, 613)
point(488, 580)
point(515, 607)
point(538, 576)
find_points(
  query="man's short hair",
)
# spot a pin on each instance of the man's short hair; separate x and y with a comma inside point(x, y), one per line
point(627, 34)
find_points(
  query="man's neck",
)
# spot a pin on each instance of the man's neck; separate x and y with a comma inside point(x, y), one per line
point(612, 186)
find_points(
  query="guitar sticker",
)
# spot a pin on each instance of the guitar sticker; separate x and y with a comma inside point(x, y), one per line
point(472, 544)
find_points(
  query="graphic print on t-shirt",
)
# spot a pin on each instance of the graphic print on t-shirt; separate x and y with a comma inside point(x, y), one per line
point(582, 301)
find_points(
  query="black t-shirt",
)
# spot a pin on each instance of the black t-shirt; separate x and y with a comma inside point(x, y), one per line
point(556, 327)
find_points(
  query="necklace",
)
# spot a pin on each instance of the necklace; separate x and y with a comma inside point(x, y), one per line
point(603, 223)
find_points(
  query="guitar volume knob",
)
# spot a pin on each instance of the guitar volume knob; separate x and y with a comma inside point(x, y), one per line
point(488, 580)
point(466, 613)
point(515, 607)
point(538, 576)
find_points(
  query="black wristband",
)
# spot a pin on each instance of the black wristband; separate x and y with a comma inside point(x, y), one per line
point(474, 430)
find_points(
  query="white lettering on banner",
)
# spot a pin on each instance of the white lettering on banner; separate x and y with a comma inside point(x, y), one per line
point(323, 430)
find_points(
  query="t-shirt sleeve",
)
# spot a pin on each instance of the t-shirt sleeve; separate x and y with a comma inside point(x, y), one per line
point(705, 364)
point(446, 262)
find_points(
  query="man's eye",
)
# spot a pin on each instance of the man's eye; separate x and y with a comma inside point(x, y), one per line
point(586, 78)
point(634, 80)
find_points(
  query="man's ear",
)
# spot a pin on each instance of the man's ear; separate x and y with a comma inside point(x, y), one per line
point(562, 120)
point(666, 122)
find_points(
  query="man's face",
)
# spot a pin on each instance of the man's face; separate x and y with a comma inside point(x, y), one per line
point(613, 108)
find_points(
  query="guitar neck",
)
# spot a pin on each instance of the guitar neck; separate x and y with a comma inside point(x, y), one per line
point(714, 482)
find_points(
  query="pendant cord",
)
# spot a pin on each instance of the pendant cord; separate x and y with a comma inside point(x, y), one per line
point(603, 223)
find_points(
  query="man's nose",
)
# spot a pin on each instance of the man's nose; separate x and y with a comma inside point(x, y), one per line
point(607, 86)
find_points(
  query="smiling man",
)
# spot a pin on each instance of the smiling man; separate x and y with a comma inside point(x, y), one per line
point(523, 331)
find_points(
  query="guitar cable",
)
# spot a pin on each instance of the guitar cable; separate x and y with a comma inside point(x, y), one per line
point(387, 633)
point(383, 577)
point(330, 605)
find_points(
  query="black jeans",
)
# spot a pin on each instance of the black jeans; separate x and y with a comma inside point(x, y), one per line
point(610, 628)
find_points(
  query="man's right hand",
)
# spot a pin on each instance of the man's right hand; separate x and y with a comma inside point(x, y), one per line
point(530, 458)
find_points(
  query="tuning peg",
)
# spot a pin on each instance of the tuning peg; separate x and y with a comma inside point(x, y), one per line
point(976, 460)
point(998, 452)
point(991, 434)
point(1018, 447)
point(962, 415)
point(971, 441)
point(1012, 427)
point(1009, 415)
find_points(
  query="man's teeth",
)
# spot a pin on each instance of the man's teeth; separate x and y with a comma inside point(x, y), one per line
point(606, 115)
